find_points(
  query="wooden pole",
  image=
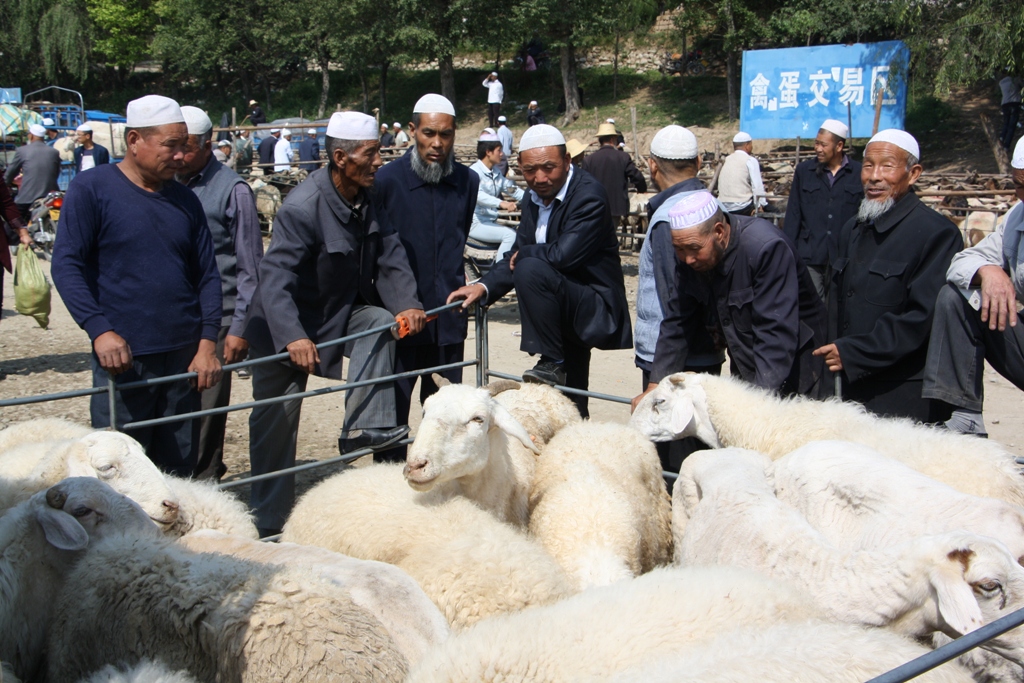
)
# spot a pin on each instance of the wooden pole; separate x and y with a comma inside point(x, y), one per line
point(879, 96)
point(849, 119)
point(797, 150)
point(636, 140)
point(233, 117)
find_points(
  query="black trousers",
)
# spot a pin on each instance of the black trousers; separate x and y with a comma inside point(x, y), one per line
point(211, 428)
point(747, 210)
point(493, 112)
point(1011, 115)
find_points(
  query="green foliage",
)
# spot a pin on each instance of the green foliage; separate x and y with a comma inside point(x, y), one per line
point(57, 31)
point(124, 29)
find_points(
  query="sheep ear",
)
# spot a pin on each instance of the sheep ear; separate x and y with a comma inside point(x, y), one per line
point(957, 604)
point(682, 415)
point(62, 531)
point(508, 424)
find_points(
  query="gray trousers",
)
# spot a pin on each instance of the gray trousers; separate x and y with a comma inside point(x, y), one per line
point(274, 428)
point(211, 428)
point(959, 346)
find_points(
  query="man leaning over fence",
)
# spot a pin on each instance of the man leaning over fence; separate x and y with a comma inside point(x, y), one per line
point(134, 264)
point(331, 270)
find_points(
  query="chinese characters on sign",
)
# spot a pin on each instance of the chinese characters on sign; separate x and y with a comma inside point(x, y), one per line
point(789, 92)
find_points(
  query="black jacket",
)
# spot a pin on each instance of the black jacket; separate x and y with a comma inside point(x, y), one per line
point(310, 275)
point(266, 152)
point(100, 155)
point(612, 167)
point(534, 116)
point(765, 308)
point(885, 281)
point(581, 244)
point(256, 116)
point(817, 210)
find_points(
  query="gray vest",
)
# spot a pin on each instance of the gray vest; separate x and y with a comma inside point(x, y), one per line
point(214, 191)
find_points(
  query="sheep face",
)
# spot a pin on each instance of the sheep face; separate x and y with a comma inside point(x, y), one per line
point(977, 581)
point(675, 409)
point(453, 440)
point(119, 460)
point(98, 509)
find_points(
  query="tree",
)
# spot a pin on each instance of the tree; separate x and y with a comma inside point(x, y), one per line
point(59, 31)
point(123, 29)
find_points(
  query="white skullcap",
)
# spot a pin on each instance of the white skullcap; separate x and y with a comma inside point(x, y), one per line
point(311, 131)
point(502, 119)
point(674, 142)
point(84, 128)
point(611, 121)
point(352, 125)
point(37, 130)
point(275, 130)
point(533, 102)
point(285, 132)
point(541, 135)
point(490, 136)
point(742, 137)
point(494, 73)
point(153, 110)
point(196, 119)
point(252, 102)
point(396, 124)
point(224, 143)
point(694, 209)
point(48, 122)
point(433, 104)
point(1018, 155)
point(836, 128)
point(900, 138)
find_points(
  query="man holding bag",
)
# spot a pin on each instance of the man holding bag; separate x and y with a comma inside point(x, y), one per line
point(13, 217)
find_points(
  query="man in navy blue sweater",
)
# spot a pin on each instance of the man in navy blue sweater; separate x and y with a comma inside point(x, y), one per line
point(135, 266)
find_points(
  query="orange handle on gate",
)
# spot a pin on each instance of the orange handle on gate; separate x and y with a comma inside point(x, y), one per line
point(400, 330)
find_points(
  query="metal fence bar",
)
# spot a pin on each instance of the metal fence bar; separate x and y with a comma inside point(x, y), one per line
point(291, 397)
point(112, 400)
point(59, 396)
point(569, 390)
point(347, 457)
point(952, 650)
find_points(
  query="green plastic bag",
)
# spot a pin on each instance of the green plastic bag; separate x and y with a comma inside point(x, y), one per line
point(31, 290)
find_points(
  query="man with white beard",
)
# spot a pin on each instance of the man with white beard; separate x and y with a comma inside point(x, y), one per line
point(891, 265)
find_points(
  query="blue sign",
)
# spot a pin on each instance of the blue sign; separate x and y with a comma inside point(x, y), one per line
point(10, 95)
point(788, 92)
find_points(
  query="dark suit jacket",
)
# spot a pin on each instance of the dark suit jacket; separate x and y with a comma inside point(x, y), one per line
point(309, 151)
point(40, 168)
point(613, 168)
point(581, 244)
point(818, 210)
point(266, 151)
point(309, 277)
point(100, 155)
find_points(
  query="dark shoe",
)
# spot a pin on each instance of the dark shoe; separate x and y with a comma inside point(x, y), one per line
point(264, 532)
point(370, 438)
point(545, 372)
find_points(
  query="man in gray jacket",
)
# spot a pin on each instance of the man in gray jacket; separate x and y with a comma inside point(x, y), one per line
point(976, 318)
point(230, 210)
point(39, 166)
point(332, 270)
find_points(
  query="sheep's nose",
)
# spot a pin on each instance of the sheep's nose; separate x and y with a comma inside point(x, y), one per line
point(170, 505)
point(414, 467)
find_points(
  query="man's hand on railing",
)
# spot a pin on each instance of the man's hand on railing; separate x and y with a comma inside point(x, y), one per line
point(113, 352)
point(416, 319)
point(235, 349)
point(469, 294)
point(304, 355)
point(205, 365)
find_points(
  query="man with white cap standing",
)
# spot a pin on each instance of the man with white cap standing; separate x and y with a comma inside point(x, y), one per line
point(613, 168)
point(135, 265)
point(507, 140)
point(283, 152)
point(564, 266)
point(495, 94)
point(88, 154)
point(386, 137)
point(673, 164)
point(490, 199)
point(430, 199)
point(976, 317)
point(309, 151)
point(740, 277)
point(267, 149)
point(332, 269)
point(826, 192)
point(740, 188)
point(401, 137)
point(39, 166)
point(230, 210)
point(891, 264)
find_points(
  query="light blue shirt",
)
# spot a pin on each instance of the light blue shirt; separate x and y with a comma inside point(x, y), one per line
point(505, 135)
point(492, 185)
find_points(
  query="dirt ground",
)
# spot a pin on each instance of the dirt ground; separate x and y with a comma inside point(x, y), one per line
point(39, 361)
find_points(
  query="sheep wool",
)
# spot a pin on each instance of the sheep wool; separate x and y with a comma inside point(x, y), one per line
point(202, 505)
point(542, 410)
point(599, 504)
point(40, 429)
point(144, 672)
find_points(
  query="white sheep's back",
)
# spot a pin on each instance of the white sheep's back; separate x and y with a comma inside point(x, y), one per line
point(542, 410)
point(40, 429)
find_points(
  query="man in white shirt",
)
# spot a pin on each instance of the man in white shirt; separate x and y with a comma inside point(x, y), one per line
point(495, 94)
point(493, 185)
point(740, 189)
point(283, 152)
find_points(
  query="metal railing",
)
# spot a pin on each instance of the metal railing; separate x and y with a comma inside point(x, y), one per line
point(905, 672)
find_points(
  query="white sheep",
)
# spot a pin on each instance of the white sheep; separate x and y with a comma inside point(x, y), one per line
point(541, 410)
point(202, 505)
point(462, 447)
point(859, 499)
point(953, 582)
point(134, 596)
point(144, 672)
point(604, 630)
point(599, 504)
point(388, 593)
point(470, 564)
point(40, 429)
point(39, 539)
point(805, 652)
point(724, 411)
point(113, 457)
